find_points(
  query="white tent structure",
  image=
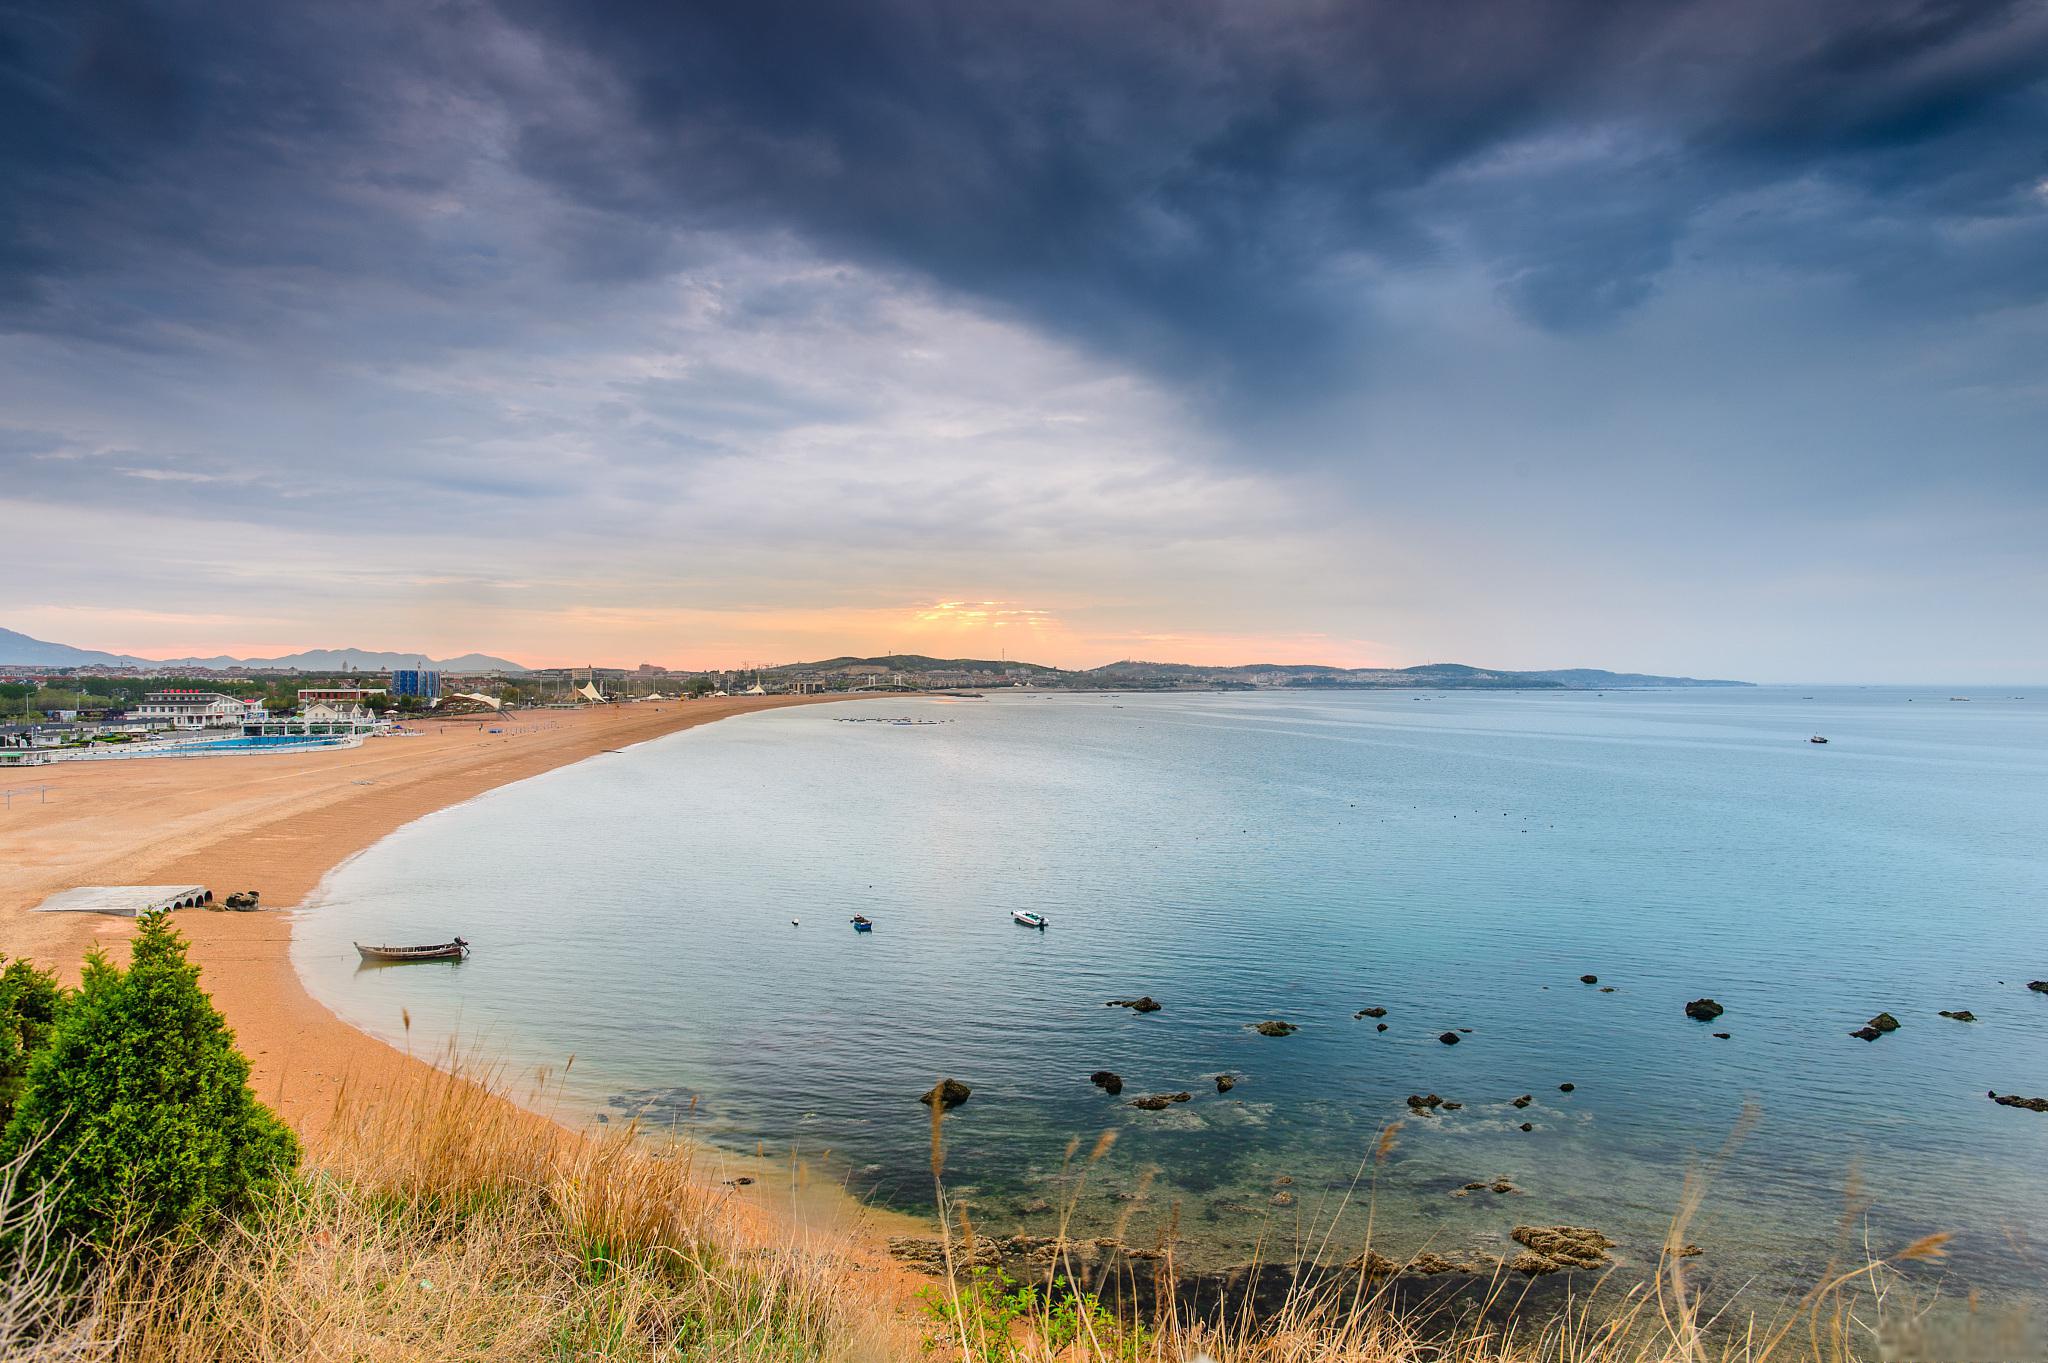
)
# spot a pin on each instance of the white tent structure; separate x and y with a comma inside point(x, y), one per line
point(494, 702)
point(589, 692)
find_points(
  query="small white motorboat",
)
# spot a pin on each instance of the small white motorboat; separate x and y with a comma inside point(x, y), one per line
point(1029, 920)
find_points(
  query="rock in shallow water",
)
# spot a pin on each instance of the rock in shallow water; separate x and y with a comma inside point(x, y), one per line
point(1225, 1082)
point(1704, 1010)
point(948, 1094)
point(2014, 1100)
point(1885, 1022)
point(1275, 1027)
point(1449, 1038)
point(1960, 1015)
point(1557, 1247)
point(1147, 1004)
point(1155, 1102)
point(1589, 979)
point(1108, 1081)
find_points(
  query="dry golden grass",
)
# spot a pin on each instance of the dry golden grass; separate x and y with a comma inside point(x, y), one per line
point(440, 1222)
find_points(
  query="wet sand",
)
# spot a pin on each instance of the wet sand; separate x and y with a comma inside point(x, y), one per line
point(277, 823)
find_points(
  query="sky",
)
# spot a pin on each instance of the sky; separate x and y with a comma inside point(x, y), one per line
point(1701, 338)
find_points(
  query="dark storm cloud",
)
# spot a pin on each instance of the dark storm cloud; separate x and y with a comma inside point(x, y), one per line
point(1193, 180)
point(1208, 187)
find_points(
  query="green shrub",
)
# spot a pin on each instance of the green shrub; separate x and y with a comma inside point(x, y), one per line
point(136, 1116)
point(30, 1000)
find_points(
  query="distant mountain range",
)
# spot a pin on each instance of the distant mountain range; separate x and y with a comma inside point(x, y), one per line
point(21, 650)
point(1306, 675)
point(1447, 676)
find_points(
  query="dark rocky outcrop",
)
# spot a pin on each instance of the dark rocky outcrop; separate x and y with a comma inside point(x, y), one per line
point(1567, 1088)
point(1156, 1102)
point(1866, 1034)
point(1147, 1004)
point(1382, 1027)
point(1704, 1010)
point(1275, 1027)
point(1373, 1264)
point(1450, 1106)
point(948, 1094)
point(1885, 1022)
point(1374, 1012)
point(2038, 986)
point(1551, 1248)
point(1499, 1185)
point(1960, 1015)
point(929, 1255)
point(1420, 1103)
point(1429, 1263)
point(1722, 1036)
point(1589, 979)
point(244, 901)
point(1525, 1100)
point(1109, 1081)
point(1225, 1082)
point(2014, 1100)
point(1449, 1038)
point(1426, 1264)
point(1528, 1126)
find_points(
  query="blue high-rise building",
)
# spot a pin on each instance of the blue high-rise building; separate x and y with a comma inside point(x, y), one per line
point(413, 681)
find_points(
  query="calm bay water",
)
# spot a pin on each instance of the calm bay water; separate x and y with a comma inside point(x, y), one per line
point(1459, 859)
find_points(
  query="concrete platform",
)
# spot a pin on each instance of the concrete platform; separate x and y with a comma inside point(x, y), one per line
point(126, 901)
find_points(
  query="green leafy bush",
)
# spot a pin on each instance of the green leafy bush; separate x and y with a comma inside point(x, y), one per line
point(136, 1115)
point(30, 1000)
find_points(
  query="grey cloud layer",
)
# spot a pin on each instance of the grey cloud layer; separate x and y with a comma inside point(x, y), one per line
point(1732, 278)
point(1200, 183)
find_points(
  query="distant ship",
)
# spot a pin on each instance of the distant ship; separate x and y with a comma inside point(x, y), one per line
point(1816, 739)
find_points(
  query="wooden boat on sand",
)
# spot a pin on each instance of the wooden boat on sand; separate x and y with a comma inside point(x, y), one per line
point(439, 951)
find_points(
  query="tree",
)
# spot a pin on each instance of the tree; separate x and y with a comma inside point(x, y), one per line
point(30, 1001)
point(137, 1116)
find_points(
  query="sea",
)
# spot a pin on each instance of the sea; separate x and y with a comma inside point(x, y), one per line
point(676, 917)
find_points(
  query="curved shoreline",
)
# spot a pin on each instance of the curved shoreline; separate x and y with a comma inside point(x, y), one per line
point(280, 823)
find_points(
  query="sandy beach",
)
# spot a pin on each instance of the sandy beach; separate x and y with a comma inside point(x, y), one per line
point(277, 824)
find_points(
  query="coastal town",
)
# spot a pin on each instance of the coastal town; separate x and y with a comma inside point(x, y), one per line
point(101, 711)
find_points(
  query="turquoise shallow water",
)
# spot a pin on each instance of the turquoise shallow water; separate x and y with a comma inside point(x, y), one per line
point(1459, 859)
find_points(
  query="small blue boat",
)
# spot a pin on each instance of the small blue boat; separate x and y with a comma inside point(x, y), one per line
point(861, 924)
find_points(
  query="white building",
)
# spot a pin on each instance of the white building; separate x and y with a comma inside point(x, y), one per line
point(191, 710)
point(333, 717)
